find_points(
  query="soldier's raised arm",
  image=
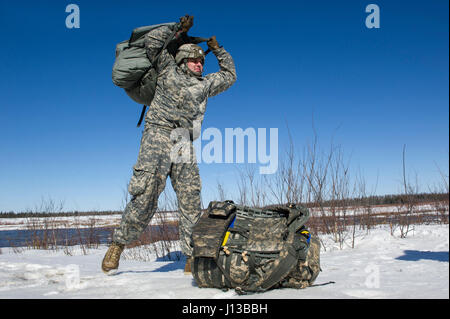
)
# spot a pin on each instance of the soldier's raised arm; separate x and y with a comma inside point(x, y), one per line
point(155, 39)
point(222, 80)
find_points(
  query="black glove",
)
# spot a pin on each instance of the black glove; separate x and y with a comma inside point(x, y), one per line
point(186, 23)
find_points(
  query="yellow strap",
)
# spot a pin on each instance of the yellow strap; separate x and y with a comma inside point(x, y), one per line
point(225, 239)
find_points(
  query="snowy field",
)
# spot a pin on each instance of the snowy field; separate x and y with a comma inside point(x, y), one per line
point(380, 266)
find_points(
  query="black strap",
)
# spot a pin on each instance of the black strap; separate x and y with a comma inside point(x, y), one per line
point(226, 277)
point(216, 275)
point(144, 107)
point(226, 271)
point(197, 40)
point(324, 284)
point(208, 271)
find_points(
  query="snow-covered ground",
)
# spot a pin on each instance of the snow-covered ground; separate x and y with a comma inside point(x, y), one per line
point(380, 266)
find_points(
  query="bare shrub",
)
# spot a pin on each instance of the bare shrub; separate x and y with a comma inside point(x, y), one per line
point(408, 203)
point(43, 230)
point(319, 179)
point(221, 191)
point(252, 187)
point(49, 233)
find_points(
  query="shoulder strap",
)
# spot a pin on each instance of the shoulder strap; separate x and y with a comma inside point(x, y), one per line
point(144, 107)
point(283, 269)
point(298, 216)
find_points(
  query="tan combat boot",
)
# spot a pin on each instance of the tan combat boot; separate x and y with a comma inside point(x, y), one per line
point(187, 267)
point(110, 262)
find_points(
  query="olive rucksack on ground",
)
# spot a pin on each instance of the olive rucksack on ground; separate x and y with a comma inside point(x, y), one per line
point(253, 250)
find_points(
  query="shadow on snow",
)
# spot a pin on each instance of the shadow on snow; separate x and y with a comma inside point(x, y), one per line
point(176, 261)
point(416, 255)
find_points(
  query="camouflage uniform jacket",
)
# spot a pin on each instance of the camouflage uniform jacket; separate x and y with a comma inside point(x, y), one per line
point(181, 97)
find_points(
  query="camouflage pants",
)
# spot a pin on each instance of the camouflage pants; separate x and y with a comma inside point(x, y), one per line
point(153, 166)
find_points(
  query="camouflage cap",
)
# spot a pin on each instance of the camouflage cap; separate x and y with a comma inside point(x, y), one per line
point(189, 50)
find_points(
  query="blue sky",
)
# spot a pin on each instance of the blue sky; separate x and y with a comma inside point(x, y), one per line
point(67, 133)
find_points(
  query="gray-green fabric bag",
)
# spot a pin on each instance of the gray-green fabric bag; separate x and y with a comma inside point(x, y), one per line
point(132, 70)
point(253, 250)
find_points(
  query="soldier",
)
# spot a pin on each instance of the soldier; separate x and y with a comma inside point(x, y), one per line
point(180, 102)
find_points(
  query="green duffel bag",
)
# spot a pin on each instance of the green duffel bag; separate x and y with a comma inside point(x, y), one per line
point(132, 70)
point(253, 250)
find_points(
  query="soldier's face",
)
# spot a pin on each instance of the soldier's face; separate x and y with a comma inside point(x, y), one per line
point(195, 65)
